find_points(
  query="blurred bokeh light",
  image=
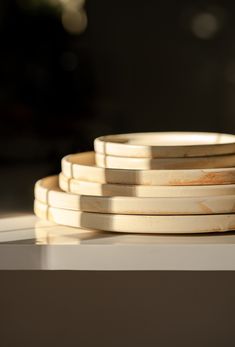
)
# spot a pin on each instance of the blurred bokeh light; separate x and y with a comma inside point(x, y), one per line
point(205, 25)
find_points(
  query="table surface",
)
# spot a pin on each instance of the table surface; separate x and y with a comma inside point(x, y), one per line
point(27, 243)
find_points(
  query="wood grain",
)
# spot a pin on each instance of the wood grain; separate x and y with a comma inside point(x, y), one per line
point(217, 161)
point(165, 144)
point(136, 223)
point(48, 192)
point(92, 188)
point(82, 166)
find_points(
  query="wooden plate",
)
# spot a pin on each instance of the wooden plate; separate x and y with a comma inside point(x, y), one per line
point(93, 188)
point(48, 192)
point(82, 167)
point(165, 144)
point(136, 223)
point(218, 161)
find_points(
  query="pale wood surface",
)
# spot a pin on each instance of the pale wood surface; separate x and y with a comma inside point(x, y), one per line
point(92, 188)
point(82, 166)
point(165, 144)
point(47, 191)
point(218, 161)
point(136, 223)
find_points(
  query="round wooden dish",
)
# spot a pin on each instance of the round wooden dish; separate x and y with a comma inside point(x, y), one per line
point(136, 223)
point(82, 167)
point(93, 188)
point(48, 192)
point(112, 162)
point(165, 144)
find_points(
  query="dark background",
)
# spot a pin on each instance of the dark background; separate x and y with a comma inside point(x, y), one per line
point(138, 66)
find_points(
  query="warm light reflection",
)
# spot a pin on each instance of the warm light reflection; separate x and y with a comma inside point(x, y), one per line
point(47, 235)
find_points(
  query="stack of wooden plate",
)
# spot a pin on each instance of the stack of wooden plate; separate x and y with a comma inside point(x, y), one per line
point(145, 183)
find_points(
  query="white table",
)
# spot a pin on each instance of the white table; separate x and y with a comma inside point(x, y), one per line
point(114, 308)
point(26, 243)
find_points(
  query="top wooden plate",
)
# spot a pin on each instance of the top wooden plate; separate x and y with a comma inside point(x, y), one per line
point(82, 167)
point(165, 144)
point(215, 161)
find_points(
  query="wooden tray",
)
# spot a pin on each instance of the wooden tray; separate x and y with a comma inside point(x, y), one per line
point(165, 144)
point(48, 192)
point(218, 161)
point(136, 223)
point(93, 188)
point(82, 167)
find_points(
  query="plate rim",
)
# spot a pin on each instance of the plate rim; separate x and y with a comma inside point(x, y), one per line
point(47, 191)
point(136, 223)
point(106, 145)
point(82, 166)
